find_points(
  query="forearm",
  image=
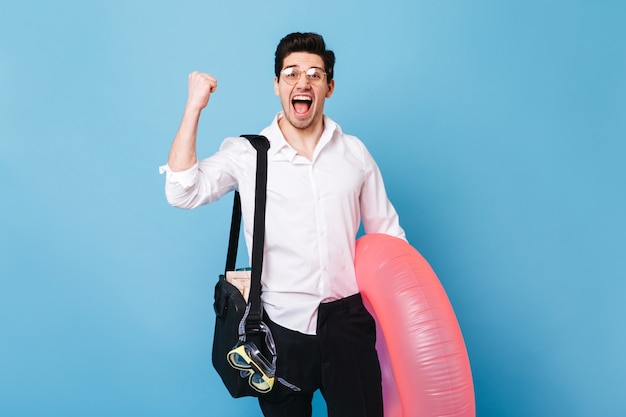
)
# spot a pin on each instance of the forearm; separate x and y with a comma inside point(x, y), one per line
point(183, 151)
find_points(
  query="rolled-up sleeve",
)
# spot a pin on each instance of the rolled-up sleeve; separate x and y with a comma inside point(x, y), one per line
point(207, 180)
point(184, 178)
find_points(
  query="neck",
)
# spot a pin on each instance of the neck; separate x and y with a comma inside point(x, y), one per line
point(304, 140)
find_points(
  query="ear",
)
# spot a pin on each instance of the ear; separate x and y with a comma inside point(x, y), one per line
point(276, 86)
point(331, 88)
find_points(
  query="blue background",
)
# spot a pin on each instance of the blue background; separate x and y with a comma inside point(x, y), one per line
point(500, 129)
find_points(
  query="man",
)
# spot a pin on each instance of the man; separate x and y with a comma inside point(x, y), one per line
point(321, 184)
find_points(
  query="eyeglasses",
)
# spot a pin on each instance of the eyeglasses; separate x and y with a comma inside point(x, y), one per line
point(314, 75)
point(248, 359)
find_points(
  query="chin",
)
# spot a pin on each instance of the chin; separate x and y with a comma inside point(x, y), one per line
point(301, 123)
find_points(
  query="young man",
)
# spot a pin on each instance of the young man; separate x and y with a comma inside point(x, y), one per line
point(321, 184)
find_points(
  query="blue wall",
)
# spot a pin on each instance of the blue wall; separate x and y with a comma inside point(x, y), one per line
point(500, 129)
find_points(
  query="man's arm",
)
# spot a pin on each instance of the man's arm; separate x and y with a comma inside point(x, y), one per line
point(377, 212)
point(183, 151)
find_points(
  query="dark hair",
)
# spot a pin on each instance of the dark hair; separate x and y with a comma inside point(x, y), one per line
point(304, 42)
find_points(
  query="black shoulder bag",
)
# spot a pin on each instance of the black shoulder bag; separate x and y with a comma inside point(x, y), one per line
point(244, 353)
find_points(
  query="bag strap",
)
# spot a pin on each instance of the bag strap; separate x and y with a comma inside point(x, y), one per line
point(233, 240)
point(261, 144)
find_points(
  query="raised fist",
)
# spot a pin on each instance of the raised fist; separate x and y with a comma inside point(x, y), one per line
point(201, 86)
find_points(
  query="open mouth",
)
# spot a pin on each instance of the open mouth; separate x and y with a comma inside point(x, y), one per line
point(301, 104)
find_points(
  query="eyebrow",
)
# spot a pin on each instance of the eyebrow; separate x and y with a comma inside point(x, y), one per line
point(295, 65)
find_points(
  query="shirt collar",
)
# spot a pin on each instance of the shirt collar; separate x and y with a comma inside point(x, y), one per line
point(279, 146)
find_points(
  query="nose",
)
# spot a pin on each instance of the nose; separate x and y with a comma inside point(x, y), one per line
point(303, 81)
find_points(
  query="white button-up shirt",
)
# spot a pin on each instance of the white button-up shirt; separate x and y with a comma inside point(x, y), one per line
point(314, 209)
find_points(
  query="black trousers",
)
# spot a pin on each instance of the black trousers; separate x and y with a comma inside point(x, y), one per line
point(340, 360)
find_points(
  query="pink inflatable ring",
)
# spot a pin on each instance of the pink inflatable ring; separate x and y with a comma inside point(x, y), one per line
point(424, 362)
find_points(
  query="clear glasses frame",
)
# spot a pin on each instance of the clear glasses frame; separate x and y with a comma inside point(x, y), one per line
point(314, 75)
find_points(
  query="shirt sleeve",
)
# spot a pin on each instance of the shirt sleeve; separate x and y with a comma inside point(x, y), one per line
point(207, 180)
point(377, 213)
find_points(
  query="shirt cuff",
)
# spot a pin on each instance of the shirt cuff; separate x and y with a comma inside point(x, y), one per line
point(185, 178)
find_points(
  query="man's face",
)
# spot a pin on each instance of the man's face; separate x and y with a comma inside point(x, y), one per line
point(303, 102)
